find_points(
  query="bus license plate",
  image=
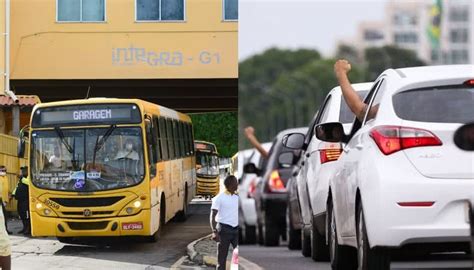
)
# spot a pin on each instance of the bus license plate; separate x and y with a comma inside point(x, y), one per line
point(132, 226)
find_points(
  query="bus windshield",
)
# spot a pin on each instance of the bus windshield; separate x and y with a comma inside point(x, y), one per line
point(86, 160)
point(207, 164)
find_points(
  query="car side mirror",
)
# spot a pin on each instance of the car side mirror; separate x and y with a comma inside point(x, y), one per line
point(330, 132)
point(464, 137)
point(293, 140)
point(251, 168)
point(285, 160)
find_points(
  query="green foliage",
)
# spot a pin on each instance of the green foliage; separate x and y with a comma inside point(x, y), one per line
point(380, 59)
point(218, 128)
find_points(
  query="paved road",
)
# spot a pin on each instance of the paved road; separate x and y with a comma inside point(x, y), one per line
point(281, 258)
point(47, 253)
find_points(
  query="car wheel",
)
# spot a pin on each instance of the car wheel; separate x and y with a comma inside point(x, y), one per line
point(341, 257)
point(271, 234)
point(319, 248)
point(305, 242)
point(259, 234)
point(249, 235)
point(369, 258)
point(293, 236)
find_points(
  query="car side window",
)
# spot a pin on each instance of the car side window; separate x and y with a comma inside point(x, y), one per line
point(325, 111)
point(373, 106)
point(357, 123)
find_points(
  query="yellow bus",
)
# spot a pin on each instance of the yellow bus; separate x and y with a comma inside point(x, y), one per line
point(108, 167)
point(207, 169)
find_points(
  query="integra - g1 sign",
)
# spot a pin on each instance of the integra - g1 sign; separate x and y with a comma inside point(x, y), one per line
point(103, 114)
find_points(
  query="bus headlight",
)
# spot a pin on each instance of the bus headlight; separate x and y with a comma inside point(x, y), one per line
point(39, 206)
point(129, 210)
point(137, 204)
point(47, 212)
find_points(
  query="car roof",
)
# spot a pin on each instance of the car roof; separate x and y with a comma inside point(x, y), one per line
point(413, 75)
point(365, 86)
point(291, 130)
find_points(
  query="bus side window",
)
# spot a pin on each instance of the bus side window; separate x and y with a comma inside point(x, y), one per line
point(181, 139)
point(163, 138)
point(169, 131)
point(156, 139)
point(186, 139)
point(151, 147)
point(191, 138)
point(175, 138)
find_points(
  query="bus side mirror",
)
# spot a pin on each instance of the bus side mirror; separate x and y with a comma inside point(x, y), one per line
point(22, 136)
point(21, 147)
point(464, 137)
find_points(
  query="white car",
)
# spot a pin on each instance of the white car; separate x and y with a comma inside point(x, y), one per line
point(400, 180)
point(247, 182)
point(316, 166)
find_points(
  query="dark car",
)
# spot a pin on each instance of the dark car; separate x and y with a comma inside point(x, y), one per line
point(271, 195)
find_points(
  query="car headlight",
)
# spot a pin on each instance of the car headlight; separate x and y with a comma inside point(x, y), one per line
point(47, 212)
point(39, 206)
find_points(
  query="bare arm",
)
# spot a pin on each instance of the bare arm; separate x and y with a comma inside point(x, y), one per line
point(212, 221)
point(355, 103)
point(250, 134)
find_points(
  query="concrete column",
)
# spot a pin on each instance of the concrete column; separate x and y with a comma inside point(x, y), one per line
point(15, 120)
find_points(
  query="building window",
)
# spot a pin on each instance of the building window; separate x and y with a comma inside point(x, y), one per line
point(372, 35)
point(459, 14)
point(160, 10)
point(459, 57)
point(458, 35)
point(231, 10)
point(404, 38)
point(80, 10)
point(402, 18)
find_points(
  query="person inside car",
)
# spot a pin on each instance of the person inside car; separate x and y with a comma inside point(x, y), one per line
point(250, 134)
point(355, 103)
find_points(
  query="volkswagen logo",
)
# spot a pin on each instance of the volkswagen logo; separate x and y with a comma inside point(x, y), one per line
point(87, 212)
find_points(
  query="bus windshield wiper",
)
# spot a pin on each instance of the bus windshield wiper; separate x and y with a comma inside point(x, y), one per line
point(100, 143)
point(63, 139)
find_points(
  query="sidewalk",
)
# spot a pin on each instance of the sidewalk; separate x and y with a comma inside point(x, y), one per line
point(204, 251)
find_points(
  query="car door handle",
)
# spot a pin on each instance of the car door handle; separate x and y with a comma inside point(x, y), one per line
point(359, 146)
point(307, 155)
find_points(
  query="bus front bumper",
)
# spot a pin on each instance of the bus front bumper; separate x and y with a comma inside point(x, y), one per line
point(136, 225)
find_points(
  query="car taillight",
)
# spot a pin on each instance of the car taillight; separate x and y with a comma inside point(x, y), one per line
point(416, 204)
point(251, 189)
point(327, 155)
point(391, 139)
point(469, 82)
point(275, 184)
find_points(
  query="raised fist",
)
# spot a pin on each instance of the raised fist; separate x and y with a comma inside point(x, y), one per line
point(342, 67)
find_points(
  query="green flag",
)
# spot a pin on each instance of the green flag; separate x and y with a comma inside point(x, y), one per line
point(434, 29)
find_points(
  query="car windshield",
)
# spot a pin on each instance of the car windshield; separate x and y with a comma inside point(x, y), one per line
point(86, 160)
point(207, 163)
point(436, 104)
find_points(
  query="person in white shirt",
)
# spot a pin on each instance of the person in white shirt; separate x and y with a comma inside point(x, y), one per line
point(128, 152)
point(225, 220)
point(55, 160)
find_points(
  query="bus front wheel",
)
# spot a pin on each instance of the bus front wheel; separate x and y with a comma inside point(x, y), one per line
point(154, 238)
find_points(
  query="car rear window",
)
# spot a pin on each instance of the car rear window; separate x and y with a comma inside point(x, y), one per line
point(346, 116)
point(454, 104)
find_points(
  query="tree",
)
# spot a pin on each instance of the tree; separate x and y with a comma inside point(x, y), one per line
point(257, 74)
point(380, 59)
point(218, 128)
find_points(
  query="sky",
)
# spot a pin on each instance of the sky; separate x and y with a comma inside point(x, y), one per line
point(317, 24)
